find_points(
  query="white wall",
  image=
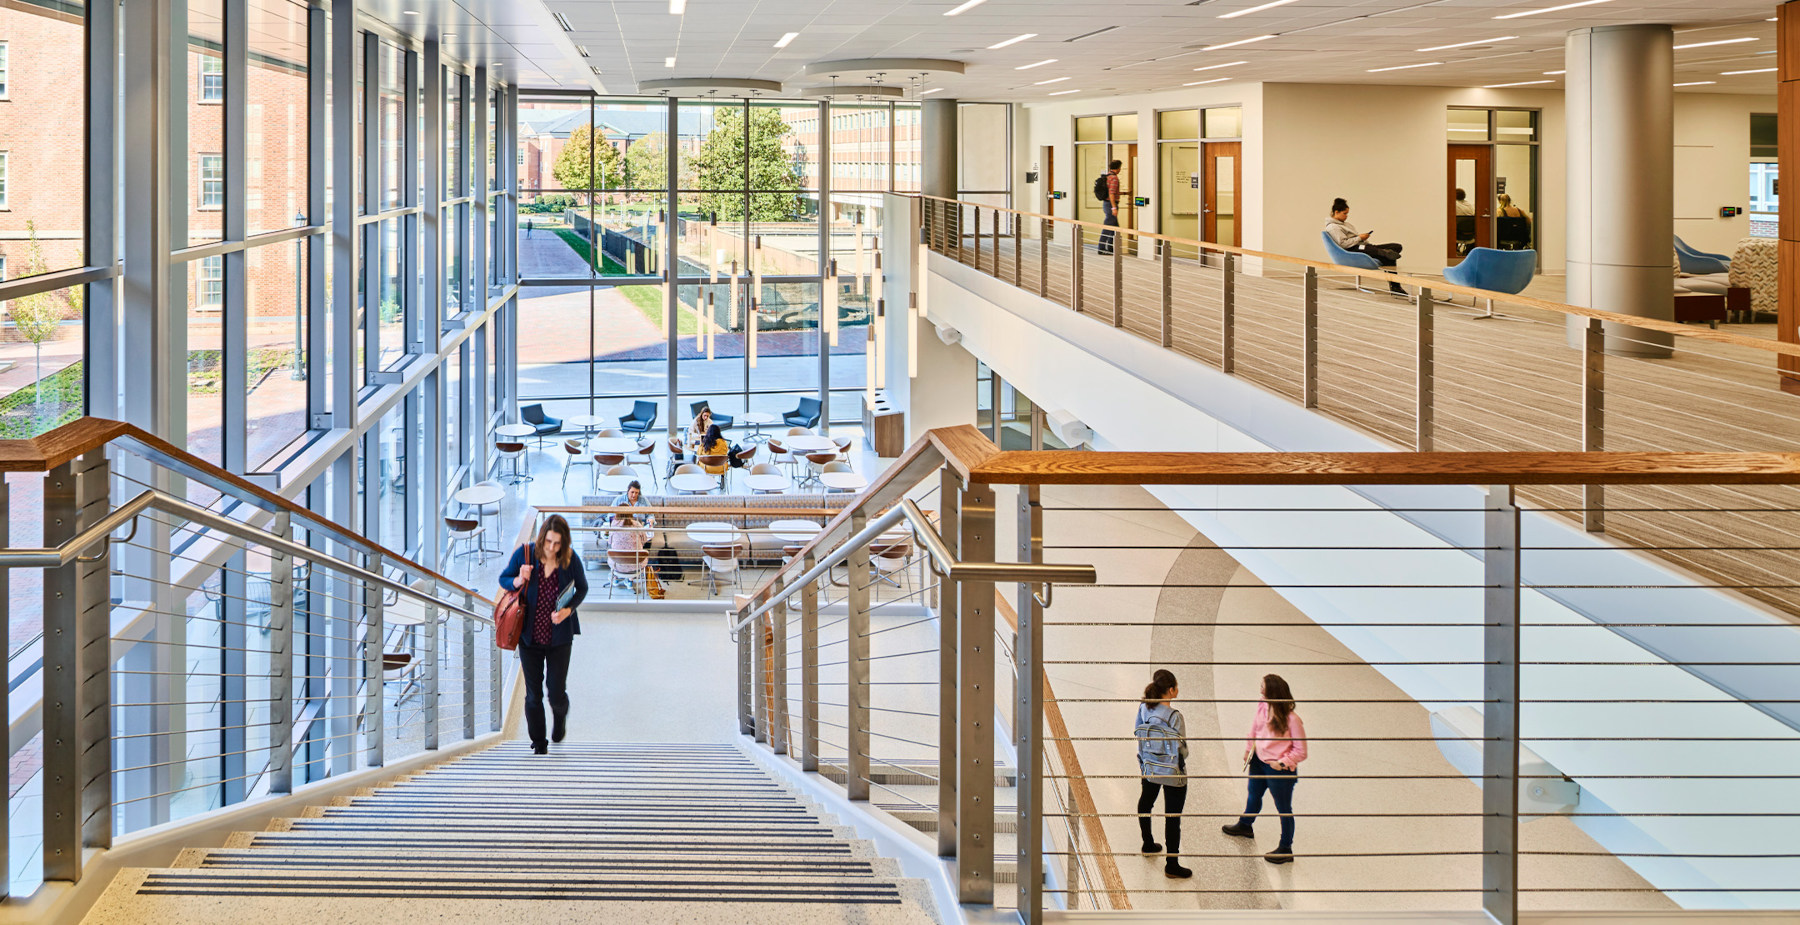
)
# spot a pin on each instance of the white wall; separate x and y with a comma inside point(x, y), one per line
point(1712, 157)
point(943, 394)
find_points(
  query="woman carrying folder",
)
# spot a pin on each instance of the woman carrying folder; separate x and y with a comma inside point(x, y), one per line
point(550, 578)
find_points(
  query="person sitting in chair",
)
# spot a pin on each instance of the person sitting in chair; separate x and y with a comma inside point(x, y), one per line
point(1347, 237)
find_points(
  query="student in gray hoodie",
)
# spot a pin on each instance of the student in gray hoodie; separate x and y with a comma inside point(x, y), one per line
point(1347, 237)
point(1162, 759)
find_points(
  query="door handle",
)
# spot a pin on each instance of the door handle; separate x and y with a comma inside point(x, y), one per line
point(1206, 211)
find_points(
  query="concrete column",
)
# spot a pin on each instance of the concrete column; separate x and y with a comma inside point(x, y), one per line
point(939, 155)
point(1621, 181)
point(1787, 44)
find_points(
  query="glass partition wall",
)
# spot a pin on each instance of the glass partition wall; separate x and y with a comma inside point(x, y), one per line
point(734, 266)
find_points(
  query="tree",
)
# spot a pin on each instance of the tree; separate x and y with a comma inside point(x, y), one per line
point(575, 171)
point(722, 163)
point(647, 163)
point(37, 316)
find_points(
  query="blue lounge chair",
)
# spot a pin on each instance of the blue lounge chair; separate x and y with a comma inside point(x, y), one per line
point(1494, 270)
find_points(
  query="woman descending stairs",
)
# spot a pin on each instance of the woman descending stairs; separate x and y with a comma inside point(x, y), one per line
point(592, 833)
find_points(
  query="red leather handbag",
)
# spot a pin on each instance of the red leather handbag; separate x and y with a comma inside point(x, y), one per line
point(509, 614)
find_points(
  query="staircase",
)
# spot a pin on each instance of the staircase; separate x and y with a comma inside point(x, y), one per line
point(591, 833)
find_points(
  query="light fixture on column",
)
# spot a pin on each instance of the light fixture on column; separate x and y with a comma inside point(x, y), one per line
point(829, 310)
point(912, 337)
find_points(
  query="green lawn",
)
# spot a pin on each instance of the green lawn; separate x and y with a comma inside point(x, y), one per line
point(22, 415)
point(647, 298)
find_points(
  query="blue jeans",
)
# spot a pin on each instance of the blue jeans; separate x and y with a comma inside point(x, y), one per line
point(1112, 218)
point(1280, 785)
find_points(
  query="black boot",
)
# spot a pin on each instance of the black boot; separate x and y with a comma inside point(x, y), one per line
point(558, 727)
point(1280, 856)
point(1238, 830)
point(1173, 870)
point(1150, 845)
point(540, 748)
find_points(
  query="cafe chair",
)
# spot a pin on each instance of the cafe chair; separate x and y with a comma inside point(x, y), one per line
point(723, 420)
point(641, 418)
point(534, 415)
point(805, 415)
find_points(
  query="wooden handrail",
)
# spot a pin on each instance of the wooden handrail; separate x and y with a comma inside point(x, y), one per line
point(681, 511)
point(1437, 286)
point(85, 435)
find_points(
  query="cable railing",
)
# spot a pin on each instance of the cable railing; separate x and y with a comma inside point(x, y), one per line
point(197, 658)
point(1505, 714)
point(1447, 368)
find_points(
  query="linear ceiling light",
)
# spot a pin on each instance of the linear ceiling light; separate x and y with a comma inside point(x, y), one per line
point(1402, 67)
point(1551, 9)
point(1522, 83)
point(1697, 83)
point(1214, 67)
point(584, 51)
point(1027, 67)
point(1254, 38)
point(677, 7)
point(1760, 70)
point(1719, 42)
point(564, 22)
point(1064, 92)
point(1502, 38)
point(1014, 40)
point(931, 91)
point(971, 4)
point(1197, 83)
point(1087, 35)
point(1553, 73)
point(1053, 80)
point(1255, 9)
point(786, 39)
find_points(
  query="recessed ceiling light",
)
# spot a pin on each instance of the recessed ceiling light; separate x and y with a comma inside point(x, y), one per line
point(1551, 9)
point(1255, 9)
point(1502, 38)
point(1214, 67)
point(1718, 42)
point(971, 4)
point(1522, 83)
point(1014, 40)
point(1760, 70)
point(1402, 67)
point(1697, 83)
point(1255, 38)
point(677, 7)
point(409, 12)
point(931, 91)
point(1053, 80)
point(1027, 67)
point(1555, 72)
point(786, 39)
point(668, 62)
point(1064, 92)
point(1197, 83)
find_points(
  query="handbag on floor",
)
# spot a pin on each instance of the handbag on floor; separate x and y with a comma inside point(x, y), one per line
point(509, 614)
point(653, 587)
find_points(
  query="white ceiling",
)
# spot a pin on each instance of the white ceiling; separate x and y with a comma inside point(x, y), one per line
point(1154, 47)
point(520, 38)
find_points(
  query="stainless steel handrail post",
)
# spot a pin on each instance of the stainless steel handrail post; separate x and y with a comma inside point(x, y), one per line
point(429, 676)
point(77, 672)
point(1028, 714)
point(857, 664)
point(281, 658)
point(1018, 236)
point(1424, 374)
point(1166, 326)
point(1048, 229)
point(374, 674)
point(1309, 337)
point(950, 530)
point(778, 725)
point(809, 671)
point(975, 706)
point(1075, 247)
point(759, 697)
point(746, 686)
point(1228, 315)
point(1118, 280)
point(468, 673)
point(1593, 419)
point(496, 685)
point(1500, 709)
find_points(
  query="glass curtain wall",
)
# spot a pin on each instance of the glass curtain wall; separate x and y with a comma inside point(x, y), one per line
point(760, 193)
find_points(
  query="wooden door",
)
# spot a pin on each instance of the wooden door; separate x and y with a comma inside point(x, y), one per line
point(1471, 225)
point(1222, 222)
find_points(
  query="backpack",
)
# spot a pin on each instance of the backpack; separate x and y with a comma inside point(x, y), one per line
point(1159, 746)
point(667, 563)
point(1103, 189)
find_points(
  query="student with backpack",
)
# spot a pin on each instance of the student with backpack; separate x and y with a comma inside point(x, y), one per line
point(1162, 759)
point(1272, 755)
point(1106, 189)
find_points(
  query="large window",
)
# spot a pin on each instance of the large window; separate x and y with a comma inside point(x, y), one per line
point(212, 79)
point(212, 282)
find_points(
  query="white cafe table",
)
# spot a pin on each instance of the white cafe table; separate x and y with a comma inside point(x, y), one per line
point(615, 484)
point(516, 431)
point(844, 481)
point(758, 419)
point(809, 443)
point(712, 533)
point(768, 483)
point(794, 531)
point(621, 445)
point(694, 483)
point(585, 421)
point(481, 497)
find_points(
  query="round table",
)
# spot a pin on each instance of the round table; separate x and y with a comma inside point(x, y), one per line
point(809, 443)
point(585, 421)
point(623, 446)
point(615, 484)
point(768, 483)
point(712, 533)
point(844, 481)
point(794, 531)
point(518, 431)
point(694, 483)
point(757, 419)
point(481, 497)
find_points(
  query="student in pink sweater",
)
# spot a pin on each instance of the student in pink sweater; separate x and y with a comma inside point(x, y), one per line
point(1272, 755)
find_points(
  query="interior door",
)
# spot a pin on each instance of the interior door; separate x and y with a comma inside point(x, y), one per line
point(1471, 225)
point(1127, 154)
point(1222, 224)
